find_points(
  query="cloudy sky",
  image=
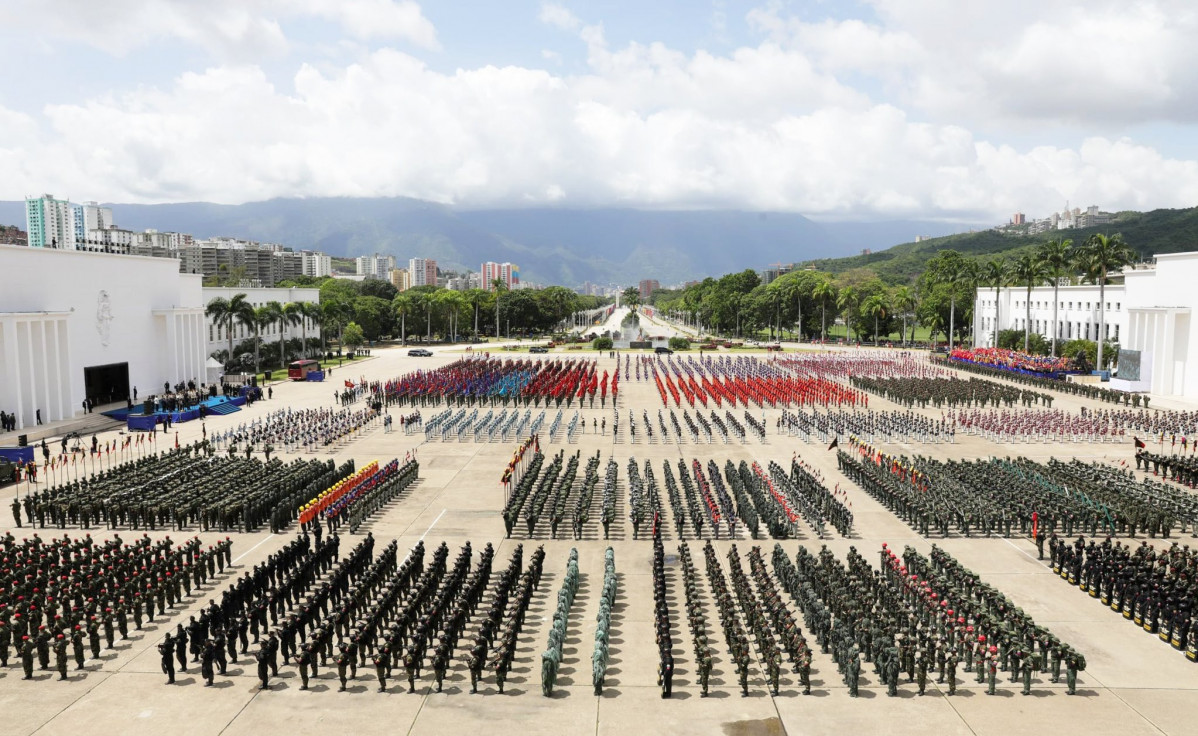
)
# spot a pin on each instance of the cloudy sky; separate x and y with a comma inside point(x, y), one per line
point(832, 108)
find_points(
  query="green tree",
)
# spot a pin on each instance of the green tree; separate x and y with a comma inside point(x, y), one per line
point(475, 298)
point(1100, 255)
point(1031, 272)
point(824, 294)
point(1058, 258)
point(373, 315)
point(336, 312)
point(402, 305)
point(314, 314)
point(298, 315)
point(952, 270)
point(904, 304)
point(997, 274)
point(500, 288)
point(279, 315)
point(353, 337)
point(876, 306)
point(224, 314)
point(254, 319)
point(848, 300)
point(451, 302)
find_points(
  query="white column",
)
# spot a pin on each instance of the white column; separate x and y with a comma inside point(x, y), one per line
point(53, 379)
point(44, 360)
point(196, 336)
point(12, 358)
point(172, 346)
point(32, 372)
point(63, 352)
point(185, 347)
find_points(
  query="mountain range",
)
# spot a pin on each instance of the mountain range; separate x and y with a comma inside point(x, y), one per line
point(551, 245)
point(1147, 233)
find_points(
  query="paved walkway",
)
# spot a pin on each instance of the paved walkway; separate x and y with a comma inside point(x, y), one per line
point(1134, 684)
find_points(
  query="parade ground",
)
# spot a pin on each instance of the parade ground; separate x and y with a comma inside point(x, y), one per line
point(1133, 683)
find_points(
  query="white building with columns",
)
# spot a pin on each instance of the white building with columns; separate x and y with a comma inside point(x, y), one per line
point(77, 324)
point(1150, 315)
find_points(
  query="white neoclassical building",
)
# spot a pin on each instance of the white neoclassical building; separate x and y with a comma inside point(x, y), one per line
point(1150, 315)
point(78, 324)
point(1077, 312)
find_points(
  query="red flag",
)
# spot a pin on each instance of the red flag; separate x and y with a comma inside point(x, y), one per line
point(1139, 443)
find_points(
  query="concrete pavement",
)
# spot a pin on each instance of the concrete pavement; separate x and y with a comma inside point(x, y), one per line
point(1134, 683)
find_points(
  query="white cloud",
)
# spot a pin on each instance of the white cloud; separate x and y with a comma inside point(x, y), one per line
point(559, 16)
point(389, 125)
point(783, 124)
point(231, 30)
point(368, 19)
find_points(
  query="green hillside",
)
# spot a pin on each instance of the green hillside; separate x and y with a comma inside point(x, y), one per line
point(1148, 233)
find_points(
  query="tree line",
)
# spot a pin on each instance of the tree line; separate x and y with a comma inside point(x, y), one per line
point(362, 312)
point(808, 302)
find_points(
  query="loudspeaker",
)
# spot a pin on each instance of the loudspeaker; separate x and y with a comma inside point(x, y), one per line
point(22, 440)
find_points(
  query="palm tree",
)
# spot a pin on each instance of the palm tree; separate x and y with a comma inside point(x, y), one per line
point(224, 313)
point(247, 317)
point(824, 292)
point(1057, 256)
point(1031, 272)
point(1102, 254)
point(284, 319)
point(336, 312)
point(904, 302)
point(295, 314)
point(499, 286)
point(452, 301)
point(955, 273)
point(848, 299)
point(402, 304)
point(876, 306)
point(996, 273)
point(219, 312)
point(314, 314)
point(475, 298)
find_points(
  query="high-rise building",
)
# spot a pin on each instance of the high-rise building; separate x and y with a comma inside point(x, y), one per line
point(647, 287)
point(401, 279)
point(317, 264)
point(96, 217)
point(54, 223)
point(375, 266)
point(508, 273)
point(422, 272)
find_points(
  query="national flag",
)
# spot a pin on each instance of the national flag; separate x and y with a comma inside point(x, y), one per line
point(1139, 443)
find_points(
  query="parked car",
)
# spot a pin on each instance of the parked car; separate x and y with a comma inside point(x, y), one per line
point(538, 349)
point(662, 350)
point(420, 353)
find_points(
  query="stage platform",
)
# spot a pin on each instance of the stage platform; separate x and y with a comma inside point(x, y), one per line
point(218, 406)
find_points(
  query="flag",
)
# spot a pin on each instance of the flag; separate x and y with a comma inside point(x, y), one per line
point(835, 441)
point(1139, 443)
